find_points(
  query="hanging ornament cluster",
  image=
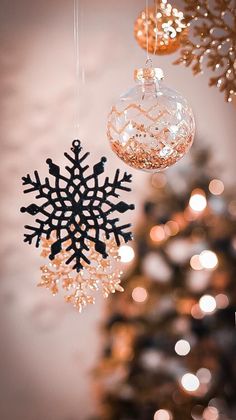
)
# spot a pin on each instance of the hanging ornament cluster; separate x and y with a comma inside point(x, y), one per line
point(100, 274)
point(151, 127)
point(160, 29)
point(213, 27)
point(75, 214)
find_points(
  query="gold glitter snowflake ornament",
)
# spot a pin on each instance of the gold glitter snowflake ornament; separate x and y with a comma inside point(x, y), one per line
point(212, 42)
point(151, 127)
point(79, 289)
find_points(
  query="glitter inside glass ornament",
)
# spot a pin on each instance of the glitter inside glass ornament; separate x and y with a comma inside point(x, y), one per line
point(151, 127)
point(160, 29)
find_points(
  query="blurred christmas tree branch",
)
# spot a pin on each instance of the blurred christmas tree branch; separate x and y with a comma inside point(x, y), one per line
point(169, 339)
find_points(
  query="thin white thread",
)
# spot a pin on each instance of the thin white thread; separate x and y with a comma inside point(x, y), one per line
point(77, 62)
point(147, 33)
point(155, 49)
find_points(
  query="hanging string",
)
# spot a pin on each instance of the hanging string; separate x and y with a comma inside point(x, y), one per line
point(77, 63)
point(156, 33)
point(147, 34)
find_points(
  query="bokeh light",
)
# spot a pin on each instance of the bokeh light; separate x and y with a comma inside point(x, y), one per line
point(195, 263)
point(217, 403)
point(158, 180)
point(126, 253)
point(155, 266)
point(196, 312)
point(198, 281)
point(171, 228)
point(222, 301)
point(207, 303)
point(198, 200)
point(190, 382)
point(180, 219)
point(204, 375)
point(190, 215)
point(208, 259)
point(216, 187)
point(217, 205)
point(157, 233)
point(197, 412)
point(210, 413)
point(180, 250)
point(163, 415)
point(232, 208)
point(182, 347)
point(139, 294)
point(151, 359)
point(233, 243)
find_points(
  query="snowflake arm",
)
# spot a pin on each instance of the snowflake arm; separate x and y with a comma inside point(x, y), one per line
point(117, 184)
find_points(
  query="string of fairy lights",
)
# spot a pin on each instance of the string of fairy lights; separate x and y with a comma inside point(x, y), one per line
point(195, 383)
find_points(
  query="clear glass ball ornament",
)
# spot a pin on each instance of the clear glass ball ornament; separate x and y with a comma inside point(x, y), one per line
point(151, 127)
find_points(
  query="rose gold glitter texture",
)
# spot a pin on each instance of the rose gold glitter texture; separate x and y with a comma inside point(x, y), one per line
point(80, 288)
point(160, 29)
point(151, 127)
point(212, 44)
point(140, 156)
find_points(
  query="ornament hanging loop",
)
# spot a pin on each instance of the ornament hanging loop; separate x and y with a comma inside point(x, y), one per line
point(148, 74)
point(148, 63)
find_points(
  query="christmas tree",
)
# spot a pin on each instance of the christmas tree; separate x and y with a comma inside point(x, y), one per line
point(170, 338)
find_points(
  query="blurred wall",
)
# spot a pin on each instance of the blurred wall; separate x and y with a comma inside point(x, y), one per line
point(47, 349)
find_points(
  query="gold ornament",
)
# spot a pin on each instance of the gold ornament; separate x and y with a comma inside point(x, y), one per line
point(214, 44)
point(101, 274)
point(160, 29)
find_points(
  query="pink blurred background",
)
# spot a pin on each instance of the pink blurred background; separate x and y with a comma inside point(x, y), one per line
point(48, 349)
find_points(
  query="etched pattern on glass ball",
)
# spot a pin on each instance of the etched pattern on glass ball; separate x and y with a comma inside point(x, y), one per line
point(152, 126)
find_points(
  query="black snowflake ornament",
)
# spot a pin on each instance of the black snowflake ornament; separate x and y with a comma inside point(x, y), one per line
point(77, 207)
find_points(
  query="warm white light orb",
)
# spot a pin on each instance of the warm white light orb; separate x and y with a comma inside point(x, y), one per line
point(204, 375)
point(195, 263)
point(162, 415)
point(182, 347)
point(196, 312)
point(171, 228)
point(210, 413)
point(156, 267)
point(207, 303)
point(208, 259)
point(222, 301)
point(139, 294)
point(197, 202)
point(198, 280)
point(126, 253)
point(216, 187)
point(190, 382)
point(157, 233)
